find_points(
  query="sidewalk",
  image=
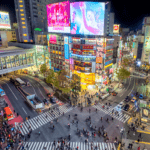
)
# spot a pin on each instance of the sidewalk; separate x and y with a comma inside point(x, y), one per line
point(143, 145)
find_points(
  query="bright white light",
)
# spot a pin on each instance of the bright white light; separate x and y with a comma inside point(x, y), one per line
point(90, 87)
point(139, 63)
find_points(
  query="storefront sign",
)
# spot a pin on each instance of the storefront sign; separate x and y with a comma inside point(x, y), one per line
point(98, 59)
point(76, 46)
point(87, 46)
point(109, 65)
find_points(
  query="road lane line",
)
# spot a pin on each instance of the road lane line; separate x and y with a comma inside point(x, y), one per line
point(10, 89)
point(24, 110)
point(41, 92)
point(129, 84)
point(132, 88)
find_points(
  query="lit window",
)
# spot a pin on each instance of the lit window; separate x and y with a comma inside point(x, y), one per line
point(22, 14)
point(24, 34)
point(21, 5)
point(23, 26)
point(21, 10)
point(25, 40)
point(22, 18)
point(20, 1)
point(23, 22)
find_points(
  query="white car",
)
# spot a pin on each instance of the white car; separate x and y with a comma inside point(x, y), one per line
point(120, 105)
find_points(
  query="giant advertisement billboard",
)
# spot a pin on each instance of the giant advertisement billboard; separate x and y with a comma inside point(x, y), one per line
point(87, 18)
point(58, 17)
point(4, 20)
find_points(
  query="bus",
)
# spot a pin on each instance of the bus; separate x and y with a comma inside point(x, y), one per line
point(21, 82)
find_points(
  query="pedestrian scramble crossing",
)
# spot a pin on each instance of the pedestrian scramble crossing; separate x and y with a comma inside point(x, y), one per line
point(73, 146)
point(120, 116)
point(43, 119)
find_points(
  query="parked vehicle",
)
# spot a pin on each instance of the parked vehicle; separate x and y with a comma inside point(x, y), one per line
point(127, 99)
point(52, 100)
point(126, 107)
point(141, 96)
point(121, 104)
point(114, 93)
point(133, 99)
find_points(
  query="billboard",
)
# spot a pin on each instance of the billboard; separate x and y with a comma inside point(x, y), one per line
point(66, 47)
point(116, 28)
point(4, 20)
point(58, 17)
point(87, 18)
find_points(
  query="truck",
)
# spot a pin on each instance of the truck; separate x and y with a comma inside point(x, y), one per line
point(34, 102)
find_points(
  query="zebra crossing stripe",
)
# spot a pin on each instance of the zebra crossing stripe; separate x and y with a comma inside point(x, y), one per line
point(120, 116)
point(42, 119)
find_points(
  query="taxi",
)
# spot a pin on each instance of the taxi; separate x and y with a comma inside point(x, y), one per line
point(133, 99)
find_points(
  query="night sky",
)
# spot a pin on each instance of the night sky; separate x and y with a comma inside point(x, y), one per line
point(127, 13)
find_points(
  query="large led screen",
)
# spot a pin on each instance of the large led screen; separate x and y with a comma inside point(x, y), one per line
point(58, 17)
point(4, 20)
point(87, 18)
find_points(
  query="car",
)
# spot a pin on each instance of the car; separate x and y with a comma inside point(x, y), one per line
point(141, 96)
point(45, 101)
point(52, 100)
point(127, 99)
point(133, 99)
point(120, 105)
point(126, 107)
point(114, 93)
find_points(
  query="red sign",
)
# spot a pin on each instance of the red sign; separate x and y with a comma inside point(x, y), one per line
point(76, 46)
point(87, 47)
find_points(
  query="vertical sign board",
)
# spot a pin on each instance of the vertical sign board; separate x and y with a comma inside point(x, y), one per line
point(93, 67)
point(66, 47)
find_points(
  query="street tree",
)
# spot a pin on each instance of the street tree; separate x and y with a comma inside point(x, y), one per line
point(76, 84)
point(122, 74)
point(43, 69)
point(64, 82)
point(126, 62)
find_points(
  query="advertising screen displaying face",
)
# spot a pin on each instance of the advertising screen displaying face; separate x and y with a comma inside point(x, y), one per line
point(87, 18)
point(58, 17)
point(4, 20)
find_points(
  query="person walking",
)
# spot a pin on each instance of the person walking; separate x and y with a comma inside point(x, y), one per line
point(96, 110)
point(89, 110)
point(101, 118)
point(39, 132)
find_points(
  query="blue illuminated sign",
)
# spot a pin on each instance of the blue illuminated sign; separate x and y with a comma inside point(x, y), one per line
point(108, 62)
point(66, 49)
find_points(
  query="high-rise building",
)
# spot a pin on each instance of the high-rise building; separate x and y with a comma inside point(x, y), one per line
point(109, 19)
point(31, 14)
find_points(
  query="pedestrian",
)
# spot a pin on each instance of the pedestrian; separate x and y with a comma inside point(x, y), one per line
point(112, 118)
point(101, 118)
point(128, 131)
point(89, 110)
point(96, 110)
point(77, 122)
point(39, 132)
point(140, 135)
point(138, 140)
point(69, 116)
point(46, 116)
point(53, 127)
point(63, 113)
point(29, 117)
point(14, 111)
point(17, 114)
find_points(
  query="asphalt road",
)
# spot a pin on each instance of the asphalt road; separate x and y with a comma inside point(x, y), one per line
point(17, 100)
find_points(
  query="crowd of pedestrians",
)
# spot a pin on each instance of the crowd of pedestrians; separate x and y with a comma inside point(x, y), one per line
point(10, 138)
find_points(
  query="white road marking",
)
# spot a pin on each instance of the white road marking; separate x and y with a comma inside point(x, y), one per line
point(10, 89)
point(24, 110)
point(41, 92)
point(132, 87)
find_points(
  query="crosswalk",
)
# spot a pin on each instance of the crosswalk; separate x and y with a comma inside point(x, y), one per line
point(120, 116)
point(42, 119)
point(73, 146)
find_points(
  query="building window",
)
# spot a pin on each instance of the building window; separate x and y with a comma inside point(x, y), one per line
point(21, 10)
point(20, 1)
point(22, 18)
point(22, 14)
point(25, 40)
point(23, 22)
point(21, 5)
point(24, 34)
point(23, 26)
